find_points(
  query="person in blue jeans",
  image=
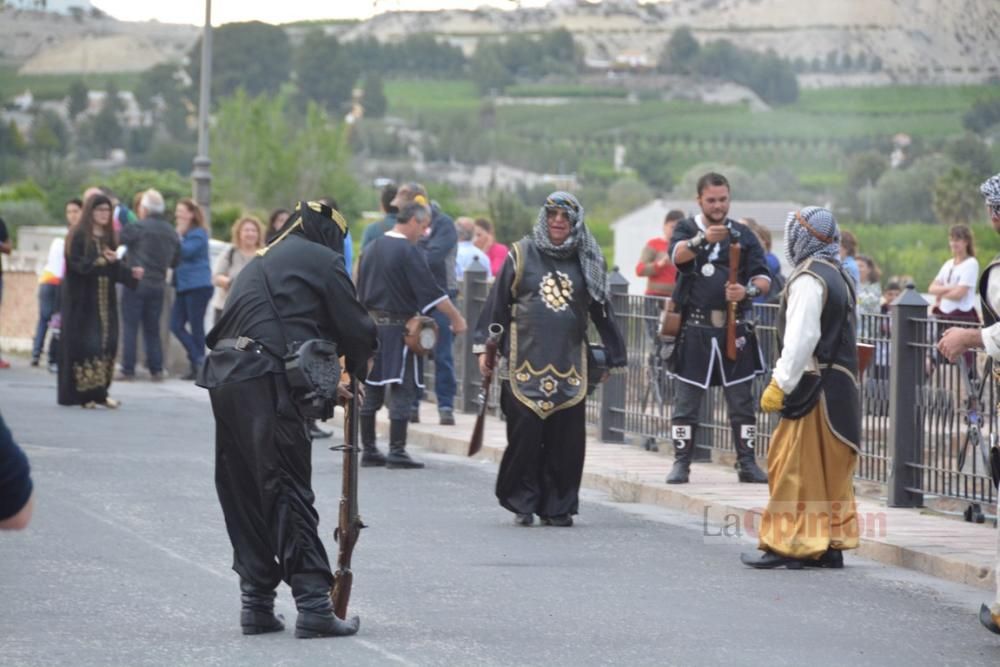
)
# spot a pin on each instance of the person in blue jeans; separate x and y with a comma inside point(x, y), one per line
point(193, 282)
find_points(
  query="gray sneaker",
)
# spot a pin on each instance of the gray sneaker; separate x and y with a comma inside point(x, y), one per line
point(446, 417)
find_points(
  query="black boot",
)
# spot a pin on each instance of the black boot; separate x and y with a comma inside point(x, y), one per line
point(371, 457)
point(316, 617)
point(746, 465)
point(683, 439)
point(769, 560)
point(398, 458)
point(257, 614)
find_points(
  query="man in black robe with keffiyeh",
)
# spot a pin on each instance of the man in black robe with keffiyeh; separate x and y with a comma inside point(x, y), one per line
point(553, 282)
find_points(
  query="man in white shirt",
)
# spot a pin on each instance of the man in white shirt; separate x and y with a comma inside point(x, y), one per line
point(467, 251)
point(810, 518)
point(956, 341)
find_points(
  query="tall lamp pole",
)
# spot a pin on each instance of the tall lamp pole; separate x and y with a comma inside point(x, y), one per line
point(201, 175)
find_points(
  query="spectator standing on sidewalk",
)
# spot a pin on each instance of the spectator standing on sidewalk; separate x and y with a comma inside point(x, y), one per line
point(296, 290)
point(700, 248)
point(660, 273)
point(957, 341)
point(152, 244)
point(486, 241)
point(89, 306)
point(275, 222)
point(394, 284)
point(848, 250)
point(811, 515)
point(556, 281)
point(467, 251)
point(5, 248)
point(440, 243)
point(387, 223)
point(193, 282)
point(49, 288)
point(245, 240)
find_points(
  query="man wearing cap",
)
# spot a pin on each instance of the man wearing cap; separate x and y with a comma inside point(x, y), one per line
point(699, 248)
point(810, 518)
point(296, 289)
point(552, 284)
point(956, 341)
point(440, 243)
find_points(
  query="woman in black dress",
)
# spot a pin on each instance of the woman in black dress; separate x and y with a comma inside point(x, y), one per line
point(90, 307)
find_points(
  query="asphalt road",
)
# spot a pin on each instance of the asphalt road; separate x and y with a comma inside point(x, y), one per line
point(127, 563)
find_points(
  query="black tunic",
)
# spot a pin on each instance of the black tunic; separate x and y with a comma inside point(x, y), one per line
point(395, 279)
point(89, 338)
point(699, 356)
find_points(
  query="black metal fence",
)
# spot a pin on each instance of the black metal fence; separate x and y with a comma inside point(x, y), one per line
point(920, 416)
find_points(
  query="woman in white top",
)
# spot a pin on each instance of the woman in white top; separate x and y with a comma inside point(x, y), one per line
point(246, 239)
point(954, 288)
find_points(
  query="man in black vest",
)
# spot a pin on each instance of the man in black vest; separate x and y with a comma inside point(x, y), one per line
point(810, 518)
point(699, 249)
point(956, 341)
point(297, 289)
point(551, 284)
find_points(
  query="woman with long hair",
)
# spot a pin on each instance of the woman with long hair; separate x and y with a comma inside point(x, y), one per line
point(954, 287)
point(90, 307)
point(246, 239)
point(275, 222)
point(486, 240)
point(193, 283)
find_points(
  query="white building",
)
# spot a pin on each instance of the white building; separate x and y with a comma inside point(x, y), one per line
point(55, 6)
point(633, 230)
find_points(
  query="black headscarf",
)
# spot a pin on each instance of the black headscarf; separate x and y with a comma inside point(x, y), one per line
point(317, 223)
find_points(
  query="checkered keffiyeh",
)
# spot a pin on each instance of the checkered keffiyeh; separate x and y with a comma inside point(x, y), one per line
point(991, 191)
point(801, 243)
point(580, 242)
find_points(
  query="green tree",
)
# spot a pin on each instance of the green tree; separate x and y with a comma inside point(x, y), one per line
point(111, 97)
point(956, 198)
point(79, 98)
point(325, 71)
point(983, 115)
point(373, 96)
point(971, 153)
point(511, 218)
point(680, 52)
point(489, 73)
point(864, 168)
point(253, 56)
point(49, 139)
point(906, 195)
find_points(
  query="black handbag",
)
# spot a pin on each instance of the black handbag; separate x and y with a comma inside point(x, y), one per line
point(312, 369)
point(597, 366)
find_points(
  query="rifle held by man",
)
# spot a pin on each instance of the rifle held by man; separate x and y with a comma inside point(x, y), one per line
point(734, 268)
point(492, 341)
point(349, 524)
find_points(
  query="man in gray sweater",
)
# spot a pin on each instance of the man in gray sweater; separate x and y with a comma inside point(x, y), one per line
point(152, 244)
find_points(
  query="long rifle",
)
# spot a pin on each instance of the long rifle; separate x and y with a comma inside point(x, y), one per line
point(349, 525)
point(734, 268)
point(492, 341)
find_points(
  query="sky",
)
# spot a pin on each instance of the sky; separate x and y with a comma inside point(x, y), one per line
point(227, 11)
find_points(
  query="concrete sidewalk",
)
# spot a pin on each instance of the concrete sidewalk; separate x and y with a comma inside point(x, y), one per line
point(947, 548)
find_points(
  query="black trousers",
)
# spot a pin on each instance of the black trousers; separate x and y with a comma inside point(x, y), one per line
point(263, 471)
point(401, 395)
point(542, 467)
point(739, 400)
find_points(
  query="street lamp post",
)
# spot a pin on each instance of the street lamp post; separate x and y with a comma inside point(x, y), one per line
point(201, 175)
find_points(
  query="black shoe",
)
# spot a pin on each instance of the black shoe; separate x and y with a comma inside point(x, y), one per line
point(524, 519)
point(372, 458)
point(832, 559)
point(680, 473)
point(446, 417)
point(311, 625)
point(400, 459)
point(414, 416)
point(260, 622)
point(769, 560)
point(34, 361)
point(988, 620)
point(750, 473)
point(561, 520)
point(190, 376)
point(316, 433)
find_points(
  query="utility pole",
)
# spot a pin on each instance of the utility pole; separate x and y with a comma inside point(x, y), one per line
point(201, 175)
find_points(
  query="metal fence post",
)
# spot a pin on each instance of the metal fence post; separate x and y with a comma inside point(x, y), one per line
point(906, 434)
point(474, 289)
point(612, 418)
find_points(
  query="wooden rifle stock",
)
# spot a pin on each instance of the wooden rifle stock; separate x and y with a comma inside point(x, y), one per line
point(349, 524)
point(492, 341)
point(734, 268)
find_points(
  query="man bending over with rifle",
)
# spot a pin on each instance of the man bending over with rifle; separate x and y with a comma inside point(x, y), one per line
point(552, 282)
point(957, 340)
point(290, 312)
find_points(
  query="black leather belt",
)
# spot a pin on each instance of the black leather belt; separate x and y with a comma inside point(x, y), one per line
point(241, 343)
point(386, 319)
